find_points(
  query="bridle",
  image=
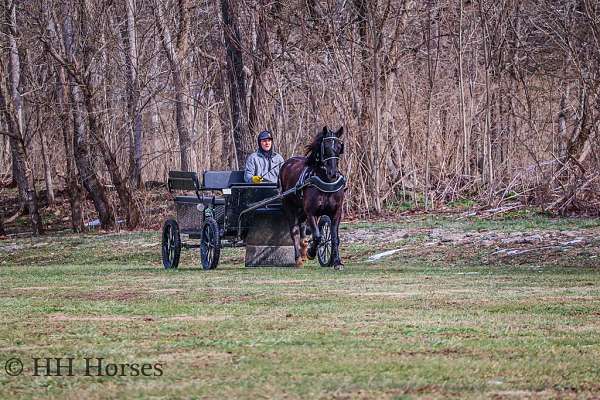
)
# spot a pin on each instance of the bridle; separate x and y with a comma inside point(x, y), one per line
point(309, 177)
point(330, 136)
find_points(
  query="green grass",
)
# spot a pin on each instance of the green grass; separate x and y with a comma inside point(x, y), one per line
point(523, 220)
point(412, 325)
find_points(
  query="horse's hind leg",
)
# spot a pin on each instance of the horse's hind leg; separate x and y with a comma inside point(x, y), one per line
point(295, 234)
point(303, 242)
point(335, 242)
point(316, 237)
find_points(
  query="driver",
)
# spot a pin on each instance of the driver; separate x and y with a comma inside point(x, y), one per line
point(263, 165)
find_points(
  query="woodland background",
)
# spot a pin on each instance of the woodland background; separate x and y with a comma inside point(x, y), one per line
point(495, 101)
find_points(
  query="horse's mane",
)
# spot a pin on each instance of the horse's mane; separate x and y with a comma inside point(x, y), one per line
point(312, 149)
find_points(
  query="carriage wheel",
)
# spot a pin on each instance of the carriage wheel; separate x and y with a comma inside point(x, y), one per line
point(171, 244)
point(324, 249)
point(210, 244)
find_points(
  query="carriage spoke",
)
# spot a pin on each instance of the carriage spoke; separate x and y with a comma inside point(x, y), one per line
point(171, 245)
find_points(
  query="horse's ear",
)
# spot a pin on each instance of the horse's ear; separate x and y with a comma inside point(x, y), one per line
point(325, 131)
point(340, 132)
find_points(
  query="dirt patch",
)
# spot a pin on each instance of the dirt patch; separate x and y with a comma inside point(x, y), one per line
point(234, 299)
point(120, 318)
point(353, 293)
point(62, 317)
point(379, 235)
point(106, 295)
point(434, 352)
point(202, 318)
point(40, 288)
point(279, 282)
point(207, 354)
point(166, 290)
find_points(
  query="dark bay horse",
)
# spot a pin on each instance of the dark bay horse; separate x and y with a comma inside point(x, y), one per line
point(313, 201)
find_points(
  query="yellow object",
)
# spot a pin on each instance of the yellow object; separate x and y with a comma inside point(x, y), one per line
point(257, 179)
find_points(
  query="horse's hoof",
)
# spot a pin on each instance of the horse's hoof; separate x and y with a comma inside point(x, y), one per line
point(311, 254)
point(339, 267)
point(299, 263)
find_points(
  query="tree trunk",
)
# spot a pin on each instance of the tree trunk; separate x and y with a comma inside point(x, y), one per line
point(242, 137)
point(4, 154)
point(259, 63)
point(126, 200)
point(2, 231)
point(486, 142)
point(225, 121)
point(128, 205)
point(90, 180)
point(13, 178)
point(466, 156)
point(82, 158)
point(583, 129)
point(13, 113)
point(47, 170)
point(133, 96)
point(28, 183)
point(75, 191)
point(362, 10)
point(562, 123)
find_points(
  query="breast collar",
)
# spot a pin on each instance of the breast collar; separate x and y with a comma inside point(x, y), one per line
point(309, 178)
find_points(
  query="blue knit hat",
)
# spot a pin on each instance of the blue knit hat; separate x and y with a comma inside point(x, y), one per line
point(264, 135)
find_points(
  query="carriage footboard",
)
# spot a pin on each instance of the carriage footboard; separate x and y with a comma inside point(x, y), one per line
point(268, 241)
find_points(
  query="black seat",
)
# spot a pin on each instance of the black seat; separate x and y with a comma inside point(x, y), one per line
point(182, 180)
point(216, 180)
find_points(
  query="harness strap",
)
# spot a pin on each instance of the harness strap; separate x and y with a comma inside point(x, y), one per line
point(303, 181)
point(327, 187)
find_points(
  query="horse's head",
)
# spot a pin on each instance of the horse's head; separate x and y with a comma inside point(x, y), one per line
point(331, 149)
point(325, 150)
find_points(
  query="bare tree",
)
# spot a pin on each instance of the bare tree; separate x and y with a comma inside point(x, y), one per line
point(63, 50)
point(75, 191)
point(133, 96)
point(128, 204)
point(441, 101)
point(243, 138)
point(12, 109)
point(176, 52)
point(260, 61)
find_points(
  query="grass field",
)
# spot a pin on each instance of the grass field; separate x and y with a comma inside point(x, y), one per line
point(465, 309)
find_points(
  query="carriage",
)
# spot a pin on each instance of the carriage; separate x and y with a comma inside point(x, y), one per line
point(224, 211)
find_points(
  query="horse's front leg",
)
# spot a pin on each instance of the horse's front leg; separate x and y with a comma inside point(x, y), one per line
point(316, 236)
point(335, 242)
